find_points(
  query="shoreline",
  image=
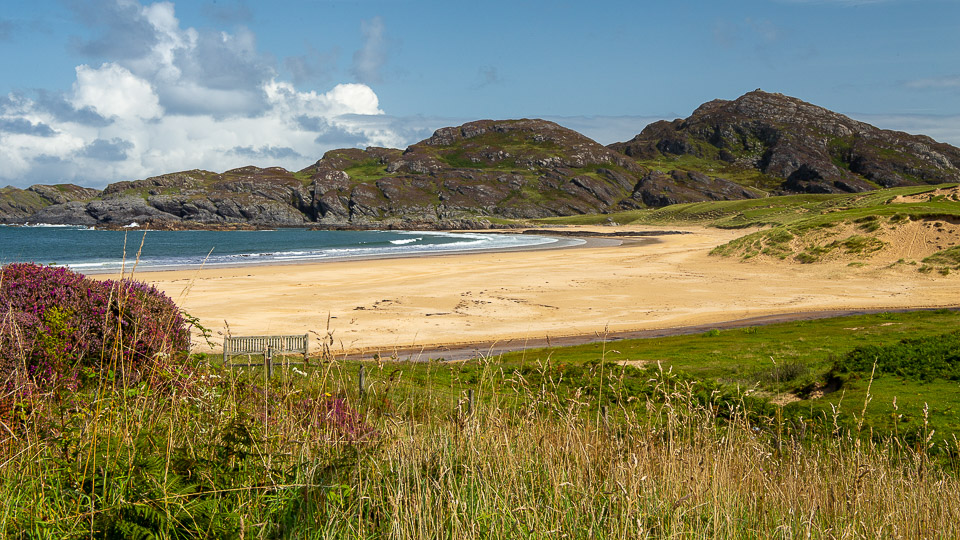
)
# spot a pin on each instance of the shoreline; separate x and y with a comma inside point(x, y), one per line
point(473, 300)
point(560, 242)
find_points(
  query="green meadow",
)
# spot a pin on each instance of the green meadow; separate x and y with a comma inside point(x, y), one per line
point(790, 210)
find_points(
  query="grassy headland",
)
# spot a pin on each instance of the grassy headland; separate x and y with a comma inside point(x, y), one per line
point(920, 224)
point(924, 201)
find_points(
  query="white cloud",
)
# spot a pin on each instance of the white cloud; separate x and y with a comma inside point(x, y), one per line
point(192, 71)
point(352, 99)
point(312, 66)
point(112, 90)
point(138, 146)
point(173, 98)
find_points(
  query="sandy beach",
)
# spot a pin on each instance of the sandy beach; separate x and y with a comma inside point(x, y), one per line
point(623, 285)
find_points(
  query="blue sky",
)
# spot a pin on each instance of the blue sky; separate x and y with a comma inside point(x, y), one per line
point(96, 91)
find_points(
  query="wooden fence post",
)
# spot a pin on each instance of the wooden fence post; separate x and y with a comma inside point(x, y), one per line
point(268, 361)
point(362, 380)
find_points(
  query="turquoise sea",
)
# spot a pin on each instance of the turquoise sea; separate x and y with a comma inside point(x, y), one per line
point(94, 251)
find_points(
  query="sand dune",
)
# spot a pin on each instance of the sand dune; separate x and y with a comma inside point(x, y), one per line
point(451, 299)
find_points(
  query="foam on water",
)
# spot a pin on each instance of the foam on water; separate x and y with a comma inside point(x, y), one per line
point(403, 241)
point(103, 251)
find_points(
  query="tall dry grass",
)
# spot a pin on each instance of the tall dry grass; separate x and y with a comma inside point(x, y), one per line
point(669, 467)
point(213, 452)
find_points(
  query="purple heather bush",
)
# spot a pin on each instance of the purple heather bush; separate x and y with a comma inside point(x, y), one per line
point(59, 325)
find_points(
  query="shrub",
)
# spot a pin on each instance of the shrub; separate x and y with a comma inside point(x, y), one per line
point(806, 257)
point(787, 372)
point(862, 245)
point(60, 325)
point(921, 359)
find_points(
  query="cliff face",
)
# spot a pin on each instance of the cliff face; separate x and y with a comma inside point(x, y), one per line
point(798, 146)
point(251, 195)
point(17, 205)
point(468, 176)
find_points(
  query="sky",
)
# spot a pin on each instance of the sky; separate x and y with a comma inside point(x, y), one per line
point(96, 91)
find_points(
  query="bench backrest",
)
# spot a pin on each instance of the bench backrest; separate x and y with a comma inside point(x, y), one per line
point(235, 345)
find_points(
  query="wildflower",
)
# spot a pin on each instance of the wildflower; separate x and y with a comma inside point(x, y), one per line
point(57, 320)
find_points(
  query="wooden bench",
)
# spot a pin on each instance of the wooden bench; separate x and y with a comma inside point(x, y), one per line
point(267, 346)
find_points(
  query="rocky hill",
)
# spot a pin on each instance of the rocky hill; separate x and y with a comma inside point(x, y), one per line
point(478, 173)
point(784, 145)
point(18, 205)
point(462, 176)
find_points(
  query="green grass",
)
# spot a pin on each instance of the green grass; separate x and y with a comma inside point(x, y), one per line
point(305, 177)
point(22, 198)
point(515, 144)
point(870, 215)
point(947, 259)
point(860, 245)
point(749, 358)
point(807, 210)
point(367, 171)
point(562, 442)
point(791, 220)
point(747, 177)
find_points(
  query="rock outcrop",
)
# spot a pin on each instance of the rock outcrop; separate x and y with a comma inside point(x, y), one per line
point(801, 147)
point(511, 168)
point(18, 205)
point(249, 195)
point(661, 189)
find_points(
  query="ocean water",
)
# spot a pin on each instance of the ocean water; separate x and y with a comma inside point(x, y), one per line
point(97, 251)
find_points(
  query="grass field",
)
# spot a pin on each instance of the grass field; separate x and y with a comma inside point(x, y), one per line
point(790, 363)
point(809, 210)
point(570, 442)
